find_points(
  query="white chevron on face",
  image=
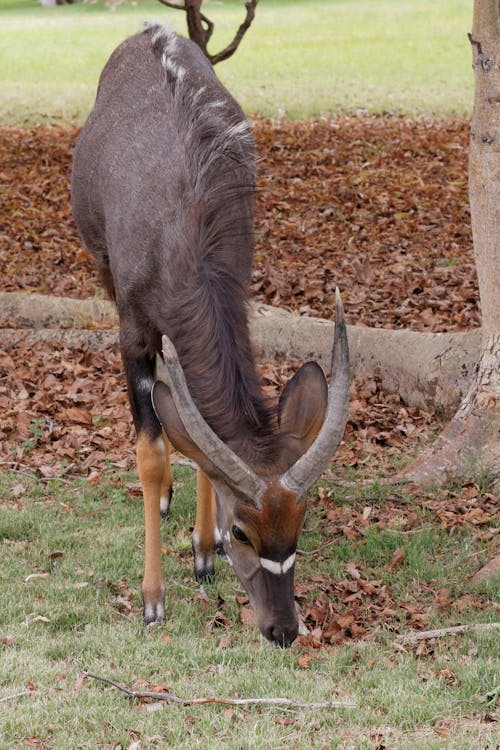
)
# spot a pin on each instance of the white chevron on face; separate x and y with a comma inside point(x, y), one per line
point(278, 568)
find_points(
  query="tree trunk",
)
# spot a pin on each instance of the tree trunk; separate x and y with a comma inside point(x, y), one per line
point(430, 371)
point(473, 435)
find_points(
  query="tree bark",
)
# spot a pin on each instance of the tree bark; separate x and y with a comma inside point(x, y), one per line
point(430, 371)
point(473, 435)
point(195, 26)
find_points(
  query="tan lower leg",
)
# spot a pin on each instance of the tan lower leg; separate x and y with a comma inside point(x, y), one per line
point(166, 484)
point(204, 529)
point(151, 456)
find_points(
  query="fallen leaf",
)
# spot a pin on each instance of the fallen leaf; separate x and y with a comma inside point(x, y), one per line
point(247, 616)
point(398, 558)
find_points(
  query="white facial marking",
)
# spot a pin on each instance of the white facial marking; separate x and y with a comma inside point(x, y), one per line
point(218, 536)
point(278, 569)
point(288, 563)
point(227, 538)
point(271, 566)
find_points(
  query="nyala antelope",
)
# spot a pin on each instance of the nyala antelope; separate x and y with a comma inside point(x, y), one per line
point(162, 193)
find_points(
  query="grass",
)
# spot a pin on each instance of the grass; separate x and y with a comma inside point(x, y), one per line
point(300, 58)
point(86, 541)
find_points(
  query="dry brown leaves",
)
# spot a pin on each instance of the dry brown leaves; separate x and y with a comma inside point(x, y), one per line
point(357, 604)
point(329, 211)
point(377, 205)
point(379, 428)
point(65, 411)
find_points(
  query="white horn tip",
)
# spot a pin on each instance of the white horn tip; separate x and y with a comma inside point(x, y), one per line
point(339, 307)
point(168, 349)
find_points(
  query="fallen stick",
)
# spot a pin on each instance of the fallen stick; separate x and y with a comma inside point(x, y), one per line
point(170, 698)
point(416, 635)
point(16, 695)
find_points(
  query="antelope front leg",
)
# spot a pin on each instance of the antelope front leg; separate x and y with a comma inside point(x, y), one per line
point(151, 461)
point(204, 534)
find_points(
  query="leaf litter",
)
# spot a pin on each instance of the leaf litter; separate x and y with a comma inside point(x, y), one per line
point(375, 205)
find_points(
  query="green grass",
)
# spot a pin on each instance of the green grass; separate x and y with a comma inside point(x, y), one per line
point(52, 627)
point(300, 58)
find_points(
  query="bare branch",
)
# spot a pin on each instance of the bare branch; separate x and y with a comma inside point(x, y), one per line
point(169, 4)
point(16, 695)
point(170, 698)
point(231, 48)
point(423, 635)
point(195, 21)
point(200, 28)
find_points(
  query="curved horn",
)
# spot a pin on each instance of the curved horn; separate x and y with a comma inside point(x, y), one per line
point(313, 462)
point(236, 473)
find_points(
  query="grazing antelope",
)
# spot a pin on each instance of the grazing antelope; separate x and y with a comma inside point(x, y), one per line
point(162, 192)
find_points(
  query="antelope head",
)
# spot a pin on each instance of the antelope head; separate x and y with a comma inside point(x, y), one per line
point(260, 511)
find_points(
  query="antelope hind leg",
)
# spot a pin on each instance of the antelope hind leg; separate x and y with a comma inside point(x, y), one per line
point(166, 484)
point(204, 534)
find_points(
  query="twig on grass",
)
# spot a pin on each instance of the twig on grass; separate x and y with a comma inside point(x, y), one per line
point(170, 698)
point(415, 635)
point(306, 552)
point(15, 696)
point(26, 472)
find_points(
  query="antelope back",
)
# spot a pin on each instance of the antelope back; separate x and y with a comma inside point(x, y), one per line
point(162, 186)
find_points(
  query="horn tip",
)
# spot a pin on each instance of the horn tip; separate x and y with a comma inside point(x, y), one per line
point(168, 349)
point(339, 307)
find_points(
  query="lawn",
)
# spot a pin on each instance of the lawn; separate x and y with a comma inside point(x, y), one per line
point(301, 58)
point(70, 562)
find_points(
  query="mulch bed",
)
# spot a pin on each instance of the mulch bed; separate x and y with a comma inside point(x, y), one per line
point(375, 205)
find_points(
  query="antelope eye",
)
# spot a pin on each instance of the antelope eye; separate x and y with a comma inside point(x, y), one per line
point(239, 535)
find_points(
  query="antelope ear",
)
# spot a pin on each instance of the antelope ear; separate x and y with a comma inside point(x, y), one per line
point(302, 408)
point(168, 417)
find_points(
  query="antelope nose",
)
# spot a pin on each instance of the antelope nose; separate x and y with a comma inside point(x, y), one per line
point(281, 634)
